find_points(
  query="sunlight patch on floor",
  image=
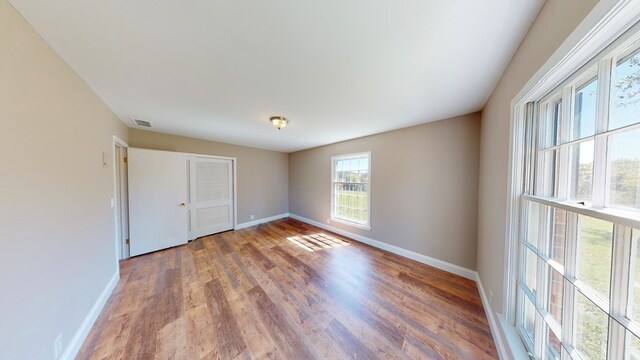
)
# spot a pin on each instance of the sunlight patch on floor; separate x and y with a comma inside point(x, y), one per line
point(317, 242)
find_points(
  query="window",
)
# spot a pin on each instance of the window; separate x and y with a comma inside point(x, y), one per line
point(577, 292)
point(350, 189)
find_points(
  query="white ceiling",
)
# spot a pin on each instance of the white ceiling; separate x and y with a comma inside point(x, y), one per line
point(338, 69)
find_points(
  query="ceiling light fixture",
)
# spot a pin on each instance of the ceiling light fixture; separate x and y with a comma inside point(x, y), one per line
point(279, 121)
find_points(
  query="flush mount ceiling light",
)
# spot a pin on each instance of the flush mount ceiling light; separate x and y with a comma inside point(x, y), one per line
point(279, 121)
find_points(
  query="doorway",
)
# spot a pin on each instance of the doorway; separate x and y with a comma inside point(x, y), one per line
point(121, 198)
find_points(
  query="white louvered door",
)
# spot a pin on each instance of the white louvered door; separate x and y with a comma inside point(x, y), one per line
point(210, 196)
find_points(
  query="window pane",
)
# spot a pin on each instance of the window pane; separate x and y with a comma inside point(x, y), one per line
point(581, 175)
point(624, 162)
point(531, 267)
point(591, 329)
point(529, 319)
point(364, 164)
point(594, 254)
point(549, 127)
point(350, 190)
point(351, 201)
point(556, 294)
point(626, 110)
point(546, 174)
point(634, 280)
point(632, 347)
point(584, 116)
point(554, 346)
point(533, 222)
point(558, 238)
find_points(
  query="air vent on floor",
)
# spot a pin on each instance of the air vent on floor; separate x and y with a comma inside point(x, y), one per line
point(142, 123)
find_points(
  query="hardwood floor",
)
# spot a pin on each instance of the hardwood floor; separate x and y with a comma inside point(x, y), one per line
point(287, 290)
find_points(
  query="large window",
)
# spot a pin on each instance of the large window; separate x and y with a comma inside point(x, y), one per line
point(579, 268)
point(350, 189)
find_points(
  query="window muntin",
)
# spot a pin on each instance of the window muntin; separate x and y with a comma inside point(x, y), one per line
point(350, 188)
point(584, 191)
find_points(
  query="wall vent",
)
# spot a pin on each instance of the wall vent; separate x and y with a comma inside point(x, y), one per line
point(142, 123)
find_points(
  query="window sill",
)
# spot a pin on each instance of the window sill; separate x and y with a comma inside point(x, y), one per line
point(347, 222)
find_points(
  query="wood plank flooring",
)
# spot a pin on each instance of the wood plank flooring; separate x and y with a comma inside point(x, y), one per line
point(287, 290)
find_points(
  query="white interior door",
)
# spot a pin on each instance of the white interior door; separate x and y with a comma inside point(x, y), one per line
point(158, 190)
point(210, 196)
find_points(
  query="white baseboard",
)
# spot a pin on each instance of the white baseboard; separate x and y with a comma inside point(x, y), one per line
point(493, 324)
point(260, 221)
point(78, 338)
point(443, 265)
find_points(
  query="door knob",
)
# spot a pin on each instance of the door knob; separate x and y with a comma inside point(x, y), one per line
point(183, 204)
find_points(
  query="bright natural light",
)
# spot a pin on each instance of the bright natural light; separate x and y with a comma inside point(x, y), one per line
point(317, 242)
point(350, 188)
point(574, 298)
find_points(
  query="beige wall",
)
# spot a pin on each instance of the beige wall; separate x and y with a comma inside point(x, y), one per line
point(554, 23)
point(424, 187)
point(263, 182)
point(56, 224)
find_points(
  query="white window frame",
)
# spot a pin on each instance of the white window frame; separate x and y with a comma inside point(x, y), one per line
point(367, 224)
point(604, 28)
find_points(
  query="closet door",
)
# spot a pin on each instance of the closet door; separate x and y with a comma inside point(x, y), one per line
point(211, 196)
point(158, 193)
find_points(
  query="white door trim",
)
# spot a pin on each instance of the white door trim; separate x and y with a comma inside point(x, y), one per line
point(115, 198)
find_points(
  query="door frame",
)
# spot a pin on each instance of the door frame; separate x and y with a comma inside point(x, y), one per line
point(119, 243)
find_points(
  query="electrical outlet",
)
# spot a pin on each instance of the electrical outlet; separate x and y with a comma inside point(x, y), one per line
point(252, 217)
point(328, 221)
point(57, 347)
